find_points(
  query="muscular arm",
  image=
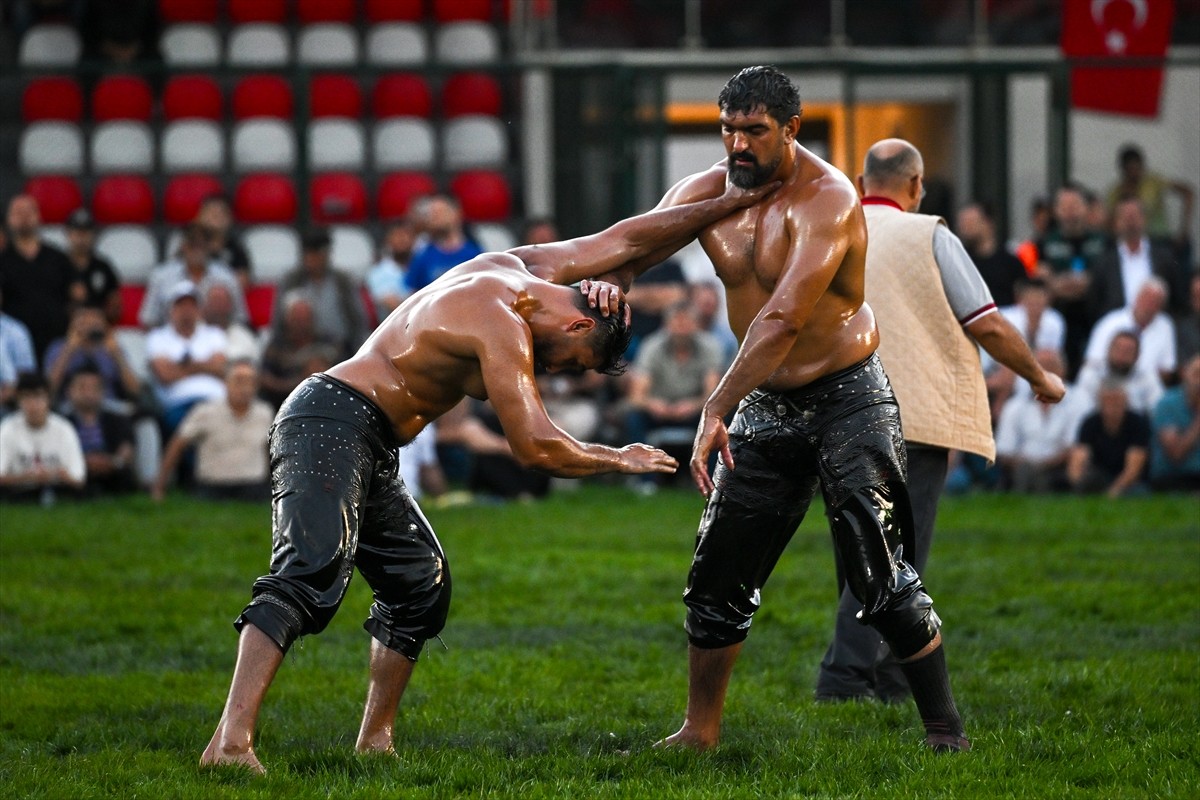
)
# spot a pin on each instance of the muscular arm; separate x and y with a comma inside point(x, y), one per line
point(633, 245)
point(1004, 343)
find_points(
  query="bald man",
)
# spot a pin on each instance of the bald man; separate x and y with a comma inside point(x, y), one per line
point(932, 307)
point(811, 409)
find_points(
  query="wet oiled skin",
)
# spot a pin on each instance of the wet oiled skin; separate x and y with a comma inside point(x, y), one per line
point(422, 360)
point(750, 251)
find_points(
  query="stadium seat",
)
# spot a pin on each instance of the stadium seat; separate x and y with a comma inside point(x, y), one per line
point(264, 199)
point(264, 145)
point(57, 196)
point(337, 197)
point(335, 144)
point(190, 45)
point(258, 44)
point(472, 93)
point(192, 97)
point(123, 199)
point(398, 190)
point(171, 11)
point(244, 11)
point(313, 11)
point(122, 146)
point(327, 44)
point(183, 195)
point(51, 147)
point(466, 42)
point(493, 237)
point(55, 98)
point(353, 250)
point(334, 96)
point(401, 95)
point(396, 44)
point(474, 141)
point(132, 295)
point(262, 96)
point(458, 10)
point(260, 302)
point(274, 250)
point(377, 11)
point(50, 45)
point(484, 196)
point(132, 249)
point(122, 97)
point(192, 145)
point(403, 143)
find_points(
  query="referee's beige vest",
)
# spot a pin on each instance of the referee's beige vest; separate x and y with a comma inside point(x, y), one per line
point(931, 361)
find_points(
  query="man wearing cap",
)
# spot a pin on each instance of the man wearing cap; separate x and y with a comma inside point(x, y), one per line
point(187, 356)
point(194, 264)
point(336, 302)
point(96, 283)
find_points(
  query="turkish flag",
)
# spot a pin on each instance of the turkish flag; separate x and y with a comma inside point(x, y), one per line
point(1118, 30)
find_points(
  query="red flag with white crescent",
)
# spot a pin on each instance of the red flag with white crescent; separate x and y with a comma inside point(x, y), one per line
point(1122, 30)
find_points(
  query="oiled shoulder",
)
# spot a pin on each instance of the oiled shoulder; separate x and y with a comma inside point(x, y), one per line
point(698, 186)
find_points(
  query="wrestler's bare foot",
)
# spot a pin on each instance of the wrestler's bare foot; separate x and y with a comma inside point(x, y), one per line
point(217, 756)
point(381, 746)
point(689, 738)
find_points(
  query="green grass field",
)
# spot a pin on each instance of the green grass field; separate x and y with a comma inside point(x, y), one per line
point(1072, 628)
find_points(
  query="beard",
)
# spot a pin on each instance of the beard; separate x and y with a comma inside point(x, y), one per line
point(748, 173)
point(1120, 370)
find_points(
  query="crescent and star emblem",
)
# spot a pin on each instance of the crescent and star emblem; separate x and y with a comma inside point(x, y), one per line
point(1115, 40)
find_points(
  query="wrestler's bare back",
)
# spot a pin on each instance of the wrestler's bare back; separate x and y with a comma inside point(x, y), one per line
point(750, 249)
point(423, 359)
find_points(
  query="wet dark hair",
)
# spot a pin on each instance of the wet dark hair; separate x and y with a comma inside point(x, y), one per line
point(762, 86)
point(610, 337)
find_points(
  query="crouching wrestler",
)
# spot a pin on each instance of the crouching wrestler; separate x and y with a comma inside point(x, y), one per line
point(337, 499)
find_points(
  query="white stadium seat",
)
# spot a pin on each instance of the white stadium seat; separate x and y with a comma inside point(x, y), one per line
point(493, 237)
point(274, 250)
point(190, 45)
point(474, 141)
point(467, 42)
point(403, 143)
point(132, 249)
point(353, 250)
point(51, 147)
point(264, 145)
point(193, 146)
point(122, 146)
point(50, 45)
point(258, 44)
point(330, 44)
point(396, 44)
point(335, 144)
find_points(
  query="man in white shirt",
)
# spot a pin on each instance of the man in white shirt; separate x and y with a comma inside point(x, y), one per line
point(187, 357)
point(1145, 318)
point(39, 450)
point(1119, 273)
point(1143, 387)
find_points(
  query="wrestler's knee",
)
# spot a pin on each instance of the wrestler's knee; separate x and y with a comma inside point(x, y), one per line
point(908, 623)
point(711, 623)
point(404, 623)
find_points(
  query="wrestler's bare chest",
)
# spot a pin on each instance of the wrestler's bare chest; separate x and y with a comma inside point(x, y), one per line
point(749, 247)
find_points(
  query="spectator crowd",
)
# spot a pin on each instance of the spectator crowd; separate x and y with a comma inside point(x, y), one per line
point(1105, 293)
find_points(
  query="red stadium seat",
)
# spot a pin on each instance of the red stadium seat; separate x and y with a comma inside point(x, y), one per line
point(262, 96)
point(471, 93)
point(337, 197)
point(171, 11)
point(132, 295)
point(57, 196)
point(459, 10)
point(183, 195)
point(260, 301)
point(310, 11)
point(484, 196)
point(264, 198)
point(192, 97)
point(122, 97)
point(334, 96)
point(401, 95)
point(398, 190)
point(123, 199)
point(394, 10)
point(52, 98)
point(241, 11)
